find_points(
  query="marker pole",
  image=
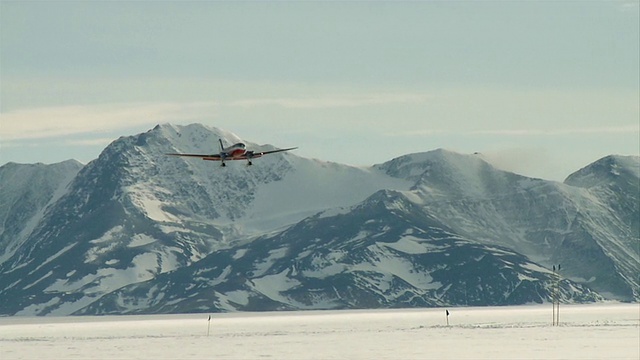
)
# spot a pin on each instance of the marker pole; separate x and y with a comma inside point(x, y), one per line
point(553, 297)
point(558, 297)
point(208, 325)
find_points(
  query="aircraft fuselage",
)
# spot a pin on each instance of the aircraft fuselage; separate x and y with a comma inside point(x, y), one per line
point(235, 151)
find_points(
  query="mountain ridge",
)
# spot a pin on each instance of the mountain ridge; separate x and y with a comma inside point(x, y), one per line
point(134, 216)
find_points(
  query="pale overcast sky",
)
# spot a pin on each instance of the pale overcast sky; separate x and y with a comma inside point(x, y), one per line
point(540, 88)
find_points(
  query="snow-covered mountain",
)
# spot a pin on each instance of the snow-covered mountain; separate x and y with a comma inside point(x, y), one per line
point(25, 193)
point(385, 252)
point(591, 232)
point(136, 231)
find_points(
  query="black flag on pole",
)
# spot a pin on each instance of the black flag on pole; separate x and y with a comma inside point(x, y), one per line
point(447, 312)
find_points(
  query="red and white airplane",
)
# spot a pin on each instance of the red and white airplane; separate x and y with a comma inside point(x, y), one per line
point(234, 152)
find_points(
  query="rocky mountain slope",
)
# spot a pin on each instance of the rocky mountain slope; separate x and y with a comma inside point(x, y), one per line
point(25, 193)
point(591, 232)
point(385, 252)
point(135, 231)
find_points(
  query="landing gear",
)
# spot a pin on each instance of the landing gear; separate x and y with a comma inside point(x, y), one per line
point(249, 163)
point(223, 164)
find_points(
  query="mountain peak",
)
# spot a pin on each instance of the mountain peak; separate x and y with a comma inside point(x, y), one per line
point(194, 132)
point(446, 172)
point(290, 228)
point(607, 170)
point(413, 165)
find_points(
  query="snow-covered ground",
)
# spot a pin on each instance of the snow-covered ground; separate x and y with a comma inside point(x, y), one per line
point(609, 331)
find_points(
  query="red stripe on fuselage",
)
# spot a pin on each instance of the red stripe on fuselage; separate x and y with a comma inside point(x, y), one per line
point(237, 153)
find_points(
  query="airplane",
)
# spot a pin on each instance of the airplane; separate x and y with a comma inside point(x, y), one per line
point(234, 152)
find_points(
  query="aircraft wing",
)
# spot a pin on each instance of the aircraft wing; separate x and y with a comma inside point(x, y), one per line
point(217, 157)
point(212, 157)
point(261, 153)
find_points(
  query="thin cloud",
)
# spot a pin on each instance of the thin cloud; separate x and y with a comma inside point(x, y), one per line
point(630, 6)
point(104, 141)
point(74, 120)
point(420, 133)
point(332, 101)
point(573, 131)
point(521, 132)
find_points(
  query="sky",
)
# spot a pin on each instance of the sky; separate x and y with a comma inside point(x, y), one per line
point(540, 88)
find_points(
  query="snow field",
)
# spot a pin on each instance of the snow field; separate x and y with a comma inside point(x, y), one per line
point(601, 331)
